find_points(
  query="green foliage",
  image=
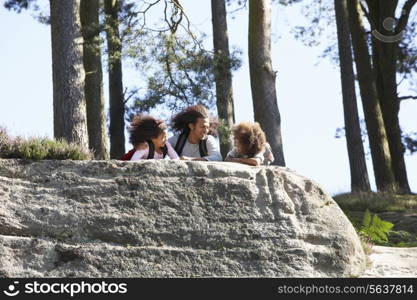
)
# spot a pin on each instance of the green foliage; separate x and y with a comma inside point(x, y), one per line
point(39, 148)
point(402, 239)
point(358, 207)
point(18, 5)
point(179, 73)
point(407, 54)
point(318, 18)
point(224, 131)
point(183, 72)
point(375, 229)
point(319, 27)
point(376, 202)
point(4, 140)
point(410, 142)
point(176, 69)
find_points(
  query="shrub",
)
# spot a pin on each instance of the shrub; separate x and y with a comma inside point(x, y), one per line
point(5, 142)
point(40, 148)
point(375, 229)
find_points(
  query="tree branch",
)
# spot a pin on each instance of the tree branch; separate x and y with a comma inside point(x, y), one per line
point(407, 97)
point(131, 94)
point(244, 6)
point(168, 66)
point(405, 15)
point(149, 6)
point(171, 26)
point(179, 6)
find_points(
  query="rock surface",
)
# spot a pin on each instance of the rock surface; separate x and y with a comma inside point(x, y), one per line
point(169, 219)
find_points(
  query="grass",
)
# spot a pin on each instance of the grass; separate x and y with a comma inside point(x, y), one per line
point(35, 148)
point(377, 202)
point(354, 206)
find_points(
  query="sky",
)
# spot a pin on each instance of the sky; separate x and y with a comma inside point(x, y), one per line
point(308, 90)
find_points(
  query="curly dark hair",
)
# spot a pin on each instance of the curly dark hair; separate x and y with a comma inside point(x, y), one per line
point(144, 127)
point(190, 115)
point(250, 136)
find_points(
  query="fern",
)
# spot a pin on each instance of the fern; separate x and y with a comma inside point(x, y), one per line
point(375, 229)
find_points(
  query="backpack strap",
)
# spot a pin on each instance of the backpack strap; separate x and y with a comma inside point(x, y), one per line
point(151, 151)
point(164, 151)
point(202, 146)
point(128, 155)
point(179, 145)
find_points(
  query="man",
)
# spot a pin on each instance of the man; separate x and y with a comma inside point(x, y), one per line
point(194, 139)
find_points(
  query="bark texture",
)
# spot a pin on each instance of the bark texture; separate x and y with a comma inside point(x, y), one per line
point(381, 158)
point(384, 56)
point(358, 170)
point(70, 122)
point(96, 118)
point(117, 107)
point(262, 76)
point(224, 89)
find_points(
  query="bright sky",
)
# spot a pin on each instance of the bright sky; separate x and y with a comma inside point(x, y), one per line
point(309, 95)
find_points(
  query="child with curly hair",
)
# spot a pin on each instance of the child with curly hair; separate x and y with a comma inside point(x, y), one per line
point(251, 147)
point(149, 139)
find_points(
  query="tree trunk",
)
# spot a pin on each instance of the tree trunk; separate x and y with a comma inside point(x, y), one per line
point(224, 90)
point(68, 73)
point(381, 158)
point(357, 163)
point(384, 56)
point(117, 107)
point(96, 119)
point(262, 76)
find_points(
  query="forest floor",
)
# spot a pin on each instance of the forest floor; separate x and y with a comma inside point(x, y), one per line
point(397, 255)
point(400, 210)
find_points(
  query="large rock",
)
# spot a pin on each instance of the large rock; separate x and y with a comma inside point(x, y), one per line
point(169, 219)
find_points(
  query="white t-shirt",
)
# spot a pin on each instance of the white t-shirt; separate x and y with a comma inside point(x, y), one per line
point(193, 150)
point(143, 153)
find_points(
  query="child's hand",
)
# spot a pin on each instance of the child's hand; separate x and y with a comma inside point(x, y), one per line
point(186, 158)
point(231, 159)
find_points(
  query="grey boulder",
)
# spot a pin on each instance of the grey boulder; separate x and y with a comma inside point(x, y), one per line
point(169, 219)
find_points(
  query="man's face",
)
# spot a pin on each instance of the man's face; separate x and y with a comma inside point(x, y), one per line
point(200, 128)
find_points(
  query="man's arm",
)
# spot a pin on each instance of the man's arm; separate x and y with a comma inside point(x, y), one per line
point(213, 150)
